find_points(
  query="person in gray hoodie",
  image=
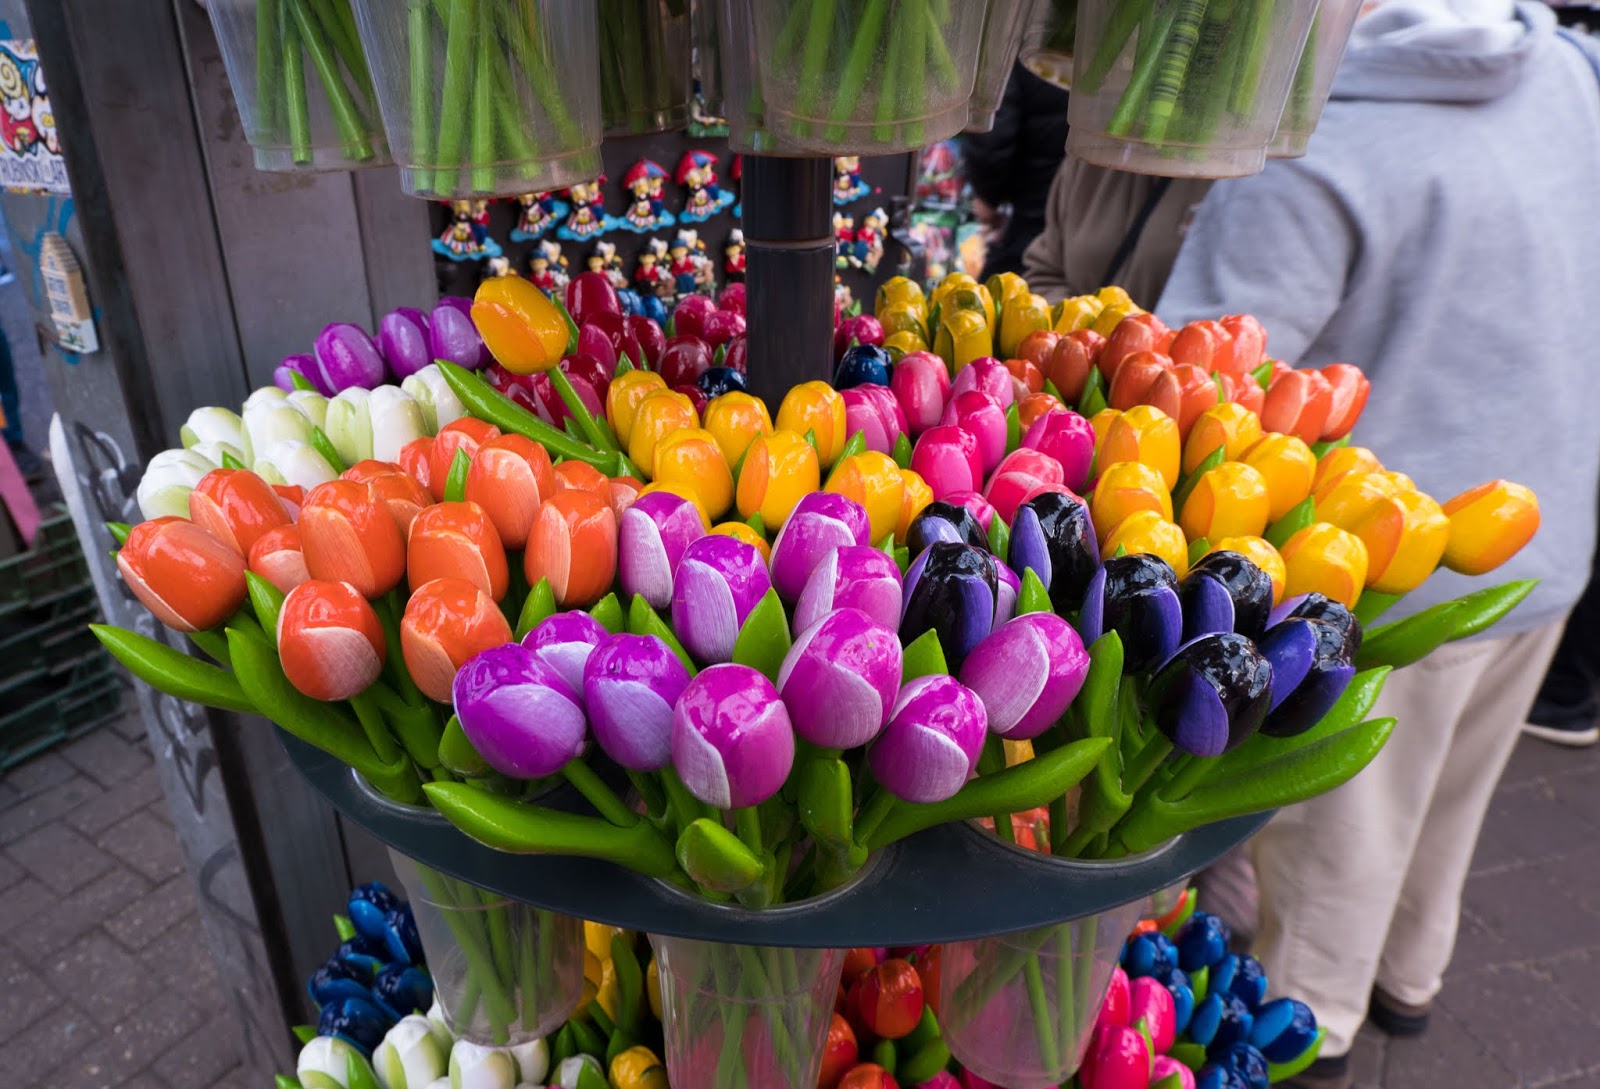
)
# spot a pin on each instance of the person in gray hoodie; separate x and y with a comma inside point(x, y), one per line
point(1443, 233)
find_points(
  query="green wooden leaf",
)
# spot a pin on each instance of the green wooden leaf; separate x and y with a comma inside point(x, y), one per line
point(764, 639)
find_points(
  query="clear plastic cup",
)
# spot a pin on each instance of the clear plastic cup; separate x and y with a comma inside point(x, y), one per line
point(644, 65)
point(867, 77)
point(486, 98)
point(1047, 40)
point(1002, 37)
point(707, 34)
point(744, 1016)
point(1313, 78)
point(742, 103)
point(1183, 88)
point(503, 972)
point(1019, 1009)
point(300, 78)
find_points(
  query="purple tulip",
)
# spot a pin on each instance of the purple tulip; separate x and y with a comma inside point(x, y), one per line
point(564, 642)
point(981, 509)
point(984, 418)
point(1135, 596)
point(1212, 694)
point(852, 577)
point(732, 743)
point(452, 336)
point(945, 520)
point(518, 712)
point(1067, 437)
point(840, 679)
point(1225, 591)
point(346, 356)
point(1318, 607)
point(303, 365)
point(986, 375)
point(651, 538)
point(930, 747)
point(1312, 664)
point(719, 581)
point(1007, 588)
point(629, 687)
point(951, 589)
point(1053, 536)
point(403, 340)
point(1026, 673)
point(820, 523)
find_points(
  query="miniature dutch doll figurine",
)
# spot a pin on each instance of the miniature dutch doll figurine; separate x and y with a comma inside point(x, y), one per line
point(847, 184)
point(687, 266)
point(737, 174)
point(844, 234)
point(645, 182)
point(538, 213)
point(697, 173)
point(588, 217)
point(610, 263)
point(467, 236)
point(496, 267)
point(869, 239)
point(547, 268)
point(649, 278)
point(733, 257)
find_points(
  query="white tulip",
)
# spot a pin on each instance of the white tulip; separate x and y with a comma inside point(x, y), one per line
point(264, 396)
point(409, 1057)
point(168, 479)
point(442, 1083)
point(578, 1072)
point(375, 423)
point(310, 404)
point(212, 451)
point(212, 424)
point(533, 1060)
point(441, 1031)
point(273, 421)
point(291, 462)
point(473, 1066)
point(324, 1063)
point(440, 405)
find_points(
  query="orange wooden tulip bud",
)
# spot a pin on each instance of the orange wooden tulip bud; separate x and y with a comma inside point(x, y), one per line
point(914, 495)
point(873, 480)
point(1134, 335)
point(446, 622)
point(468, 433)
point(1246, 392)
point(1146, 531)
point(1337, 464)
point(778, 470)
point(401, 495)
point(330, 640)
point(1126, 487)
point(188, 578)
point(1288, 466)
point(1143, 434)
point(292, 496)
point(1249, 344)
point(416, 458)
point(1183, 392)
point(1350, 389)
point(1298, 403)
point(348, 536)
point(741, 531)
point(1100, 422)
point(1034, 405)
point(1488, 525)
point(1136, 379)
point(624, 490)
point(734, 420)
point(623, 397)
point(370, 469)
point(1024, 371)
point(1347, 501)
point(1204, 344)
point(276, 556)
point(509, 478)
point(662, 412)
point(1067, 366)
point(1228, 501)
point(1324, 559)
point(458, 540)
point(574, 545)
point(579, 476)
point(236, 507)
point(1405, 535)
point(1230, 427)
point(816, 407)
point(1259, 551)
point(524, 331)
point(691, 457)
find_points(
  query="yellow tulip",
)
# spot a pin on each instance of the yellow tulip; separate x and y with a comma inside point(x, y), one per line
point(915, 494)
point(741, 531)
point(1022, 314)
point(1073, 314)
point(734, 420)
point(1259, 551)
point(963, 336)
point(1339, 463)
point(1144, 433)
point(778, 470)
point(692, 458)
point(1228, 501)
point(1147, 532)
point(623, 398)
point(1347, 501)
point(1405, 535)
point(898, 290)
point(1230, 427)
point(873, 480)
point(1288, 466)
point(1124, 488)
point(816, 407)
point(1488, 525)
point(660, 413)
point(1324, 559)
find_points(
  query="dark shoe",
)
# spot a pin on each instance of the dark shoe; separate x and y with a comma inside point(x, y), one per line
point(1573, 734)
point(1325, 1073)
point(1394, 1017)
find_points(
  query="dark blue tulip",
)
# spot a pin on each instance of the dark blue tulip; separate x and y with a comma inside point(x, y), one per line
point(1135, 596)
point(719, 380)
point(356, 1021)
point(630, 301)
point(400, 936)
point(653, 308)
point(952, 590)
point(1212, 694)
point(402, 989)
point(940, 521)
point(363, 954)
point(1283, 1029)
point(1182, 1000)
point(368, 905)
point(862, 365)
point(1220, 1021)
point(1150, 955)
point(1052, 535)
point(1319, 607)
point(1312, 665)
point(337, 979)
point(1225, 591)
point(1249, 982)
point(1215, 1076)
point(1246, 1062)
point(1202, 941)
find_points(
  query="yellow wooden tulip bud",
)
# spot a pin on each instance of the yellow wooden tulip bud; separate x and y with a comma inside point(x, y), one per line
point(1405, 535)
point(1288, 466)
point(1146, 531)
point(1339, 463)
point(1488, 525)
point(1324, 559)
point(1143, 433)
point(1230, 427)
point(1124, 488)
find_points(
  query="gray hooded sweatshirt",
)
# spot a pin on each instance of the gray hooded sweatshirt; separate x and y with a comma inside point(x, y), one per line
point(1444, 235)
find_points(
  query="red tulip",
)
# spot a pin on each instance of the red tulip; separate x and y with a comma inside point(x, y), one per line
point(624, 490)
point(276, 556)
point(689, 316)
point(330, 640)
point(1133, 334)
point(593, 342)
point(1135, 377)
point(236, 507)
point(1249, 344)
point(446, 622)
point(1028, 373)
point(468, 433)
point(589, 369)
point(547, 402)
point(860, 960)
point(697, 397)
point(838, 1054)
point(1204, 344)
point(1037, 346)
point(736, 354)
point(863, 329)
point(685, 359)
point(457, 540)
point(732, 297)
point(509, 478)
point(645, 337)
point(348, 536)
point(1245, 392)
point(1298, 403)
point(889, 999)
point(591, 293)
point(868, 1076)
point(189, 579)
point(1350, 389)
point(1018, 478)
point(1183, 393)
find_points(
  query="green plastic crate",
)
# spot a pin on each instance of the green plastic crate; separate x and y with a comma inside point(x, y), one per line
point(53, 709)
point(52, 568)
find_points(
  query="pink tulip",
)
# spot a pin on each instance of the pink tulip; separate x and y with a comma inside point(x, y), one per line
point(1151, 1002)
point(969, 1080)
point(947, 458)
point(987, 375)
point(1117, 1002)
point(1118, 1058)
point(1169, 1073)
point(980, 507)
point(873, 411)
point(921, 383)
point(1022, 471)
point(1067, 437)
point(985, 418)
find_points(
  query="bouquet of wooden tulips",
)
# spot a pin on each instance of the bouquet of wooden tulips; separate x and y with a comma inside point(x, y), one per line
point(763, 647)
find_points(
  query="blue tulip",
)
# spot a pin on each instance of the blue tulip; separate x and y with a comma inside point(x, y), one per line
point(1249, 982)
point(356, 1021)
point(363, 954)
point(1152, 955)
point(653, 308)
point(1220, 1020)
point(336, 979)
point(1225, 591)
point(1283, 1029)
point(862, 365)
point(1246, 1062)
point(1202, 941)
point(402, 989)
point(629, 299)
point(368, 905)
point(1312, 665)
point(1213, 1076)
point(1182, 999)
point(1212, 694)
point(1052, 535)
point(941, 521)
point(719, 380)
point(400, 936)
point(952, 590)
point(1137, 597)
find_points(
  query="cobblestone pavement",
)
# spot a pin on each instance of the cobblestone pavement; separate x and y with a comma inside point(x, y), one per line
point(104, 982)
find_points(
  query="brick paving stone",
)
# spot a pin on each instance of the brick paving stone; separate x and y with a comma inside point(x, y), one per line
point(181, 960)
point(42, 772)
point(1535, 759)
point(24, 901)
point(25, 996)
point(10, 873)
point(105, 757)
point(148, 917)
point(237, 1078)
point(1521, 1022)
point(1573, 974)
point(31, 1057)
point(146, 842)
point(9, 796)
point(130, 727)
point(1448, 1056)
point(136, 1042)
point(59, 857)
point(203, 1057)
point(131, 795)
point(102, 977)
point(1526, 823)
point(1579, 795)
point(50, 804)
point(73, 916)
point(1536, 910)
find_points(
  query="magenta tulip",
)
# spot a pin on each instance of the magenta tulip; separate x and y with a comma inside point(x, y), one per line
point(1018, 478)
point(820, 523)
point(1150, 1001)
point(921, 385)
point(853, 577)
point(947, 458)
point(689, 316)
point(518, 712)
point(1114, 1007)
point(1067, 437)
point(732, 742)
point(346, 356)
point(1118, 1058)
point(594, 342)
point(873, 411)
point(651, 538)
point(1026, 672)
point(985, 419)
point(930, 746)
point(719, 581)
point(564, 641)
point(630, 685)
point(980, 507)
point(986, 375)
point(840, 679)
point(1169, 1073)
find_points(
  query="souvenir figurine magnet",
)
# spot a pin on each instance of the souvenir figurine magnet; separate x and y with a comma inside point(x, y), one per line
point(868, 247)
point(843, 300)
point(588, 216)
point(606, 259)
point(467, 237)
point(645, 182)
point(697, 173)
point(547, 268)
point(844, 235)
point(733, 257)
point(737, 174)
point(649, 278)
point(497, 267)
point(689, 267)
point(539, 212)
point(847, 184)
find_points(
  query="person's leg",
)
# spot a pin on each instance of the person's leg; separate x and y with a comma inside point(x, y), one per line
point(10, 396)
point(1330, 870)
point(1422, 934)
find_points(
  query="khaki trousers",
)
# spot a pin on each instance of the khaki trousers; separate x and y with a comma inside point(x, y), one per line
point(1363, 885)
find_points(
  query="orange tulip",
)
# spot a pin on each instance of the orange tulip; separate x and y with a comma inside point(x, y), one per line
point(1488, 525)
point(460, 541)
point(277, 557)
point(1034, 405)
point(579, 476)
point(1133, 335)
point(416, 458)
point(1067, 366)
point(446, 622)
point(1337, 464)
point(1230, 427)
point(1100, 422)
point(1183, 392)
point(624, 490)
point(1245, 392)
point(1288, 466)
point(816, 407)
point(662, 412)
point(1324, 559)
point(521, 326)
point(348, 536)
point(370, 469)
point(400, 495)
point(1136, 379)
point(1405, 535)
point(330, 640)
point(734, 420)
point(915, 494)
point(741, 531)
point(1259, 551)
point(1248, 344)
point(778, 470)
point(509, 478)
point(1298, 403)
point(692, 458)
point(1145, 434)
point(1350, 389)
point(1147, 532)
point(623, 398)
point(1024, 371)
point(1126, 487)
point(468, 433)
point(574, 545)
point(1204, 344)
point(292, 496)
point(188, 578)
point(236, 507)
point(873, 480)
point(1228, 501)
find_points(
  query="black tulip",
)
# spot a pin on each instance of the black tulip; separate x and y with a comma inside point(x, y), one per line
point(940, 521)
point(1212, 694)
point(1225, 591)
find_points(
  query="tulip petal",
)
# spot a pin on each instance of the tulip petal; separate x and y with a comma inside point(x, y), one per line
point(1207, 607)
point(1291, 647)
point(638, 730)
point(703, 612)
point(1200, 721)
point(642, 562)
point(1091, 618)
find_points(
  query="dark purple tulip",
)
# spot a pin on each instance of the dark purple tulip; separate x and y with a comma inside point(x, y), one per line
point(719, 581)
point(840, 679)
point(820, 523)
point(652, 535)
point(518, 712)
point(1026, 673)
point(930, 747)
point(1312, 664)
point(942, 521)
point(732, 742)
point(403, 340)
point(630, 685)
point(1225, 591)
point(1135, 596)
point(346, 357)
point(951, 589)
point(1212, 694)
point(303, 365)
point(452, 336)
point(853, 577)
point(564, 642)
point(1317, 607)
point(1052, 535)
